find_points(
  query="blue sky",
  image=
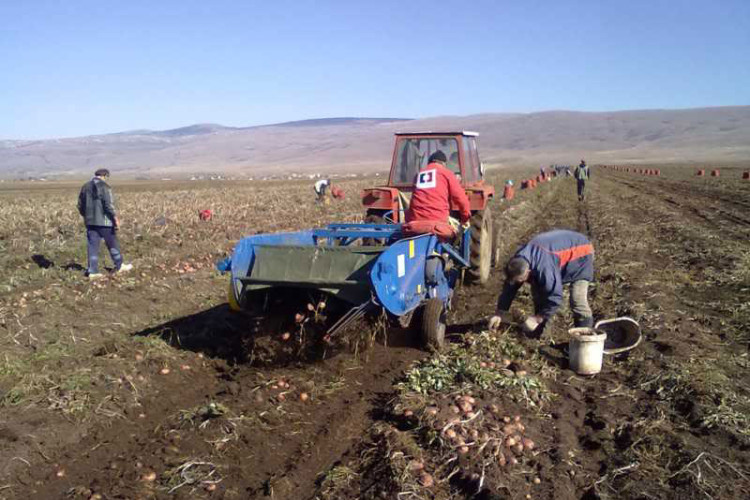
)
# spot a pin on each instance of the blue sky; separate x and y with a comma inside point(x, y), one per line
point(70, 68)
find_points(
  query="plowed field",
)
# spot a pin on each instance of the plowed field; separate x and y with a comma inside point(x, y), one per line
point(146, 386)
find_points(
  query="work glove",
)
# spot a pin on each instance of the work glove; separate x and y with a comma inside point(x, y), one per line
point(531, 324)
point(466, 225)
point(494, 323)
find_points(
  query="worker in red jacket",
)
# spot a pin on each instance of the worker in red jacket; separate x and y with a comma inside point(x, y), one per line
point(435, 189)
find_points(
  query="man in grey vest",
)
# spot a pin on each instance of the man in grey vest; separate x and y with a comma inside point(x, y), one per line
point(96, 205)
point(582, 174)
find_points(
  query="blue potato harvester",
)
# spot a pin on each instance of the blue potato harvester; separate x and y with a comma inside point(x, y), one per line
point(366, 267)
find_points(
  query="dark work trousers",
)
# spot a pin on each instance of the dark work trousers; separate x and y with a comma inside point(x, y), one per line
point(94, 235)
point(581, 188)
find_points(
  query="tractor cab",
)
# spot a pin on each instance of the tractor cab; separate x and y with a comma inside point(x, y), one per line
point(410, 154)
point(388, 204)
point(413, 150)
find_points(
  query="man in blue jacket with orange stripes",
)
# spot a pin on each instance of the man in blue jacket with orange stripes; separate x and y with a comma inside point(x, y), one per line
point(547, 262)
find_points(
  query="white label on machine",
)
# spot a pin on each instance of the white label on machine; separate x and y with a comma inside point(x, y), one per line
point(427, 179)
point(401, 265)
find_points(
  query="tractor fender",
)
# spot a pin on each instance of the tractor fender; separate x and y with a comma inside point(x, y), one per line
point(398, 274)
point(479, 196)
point(380, 198)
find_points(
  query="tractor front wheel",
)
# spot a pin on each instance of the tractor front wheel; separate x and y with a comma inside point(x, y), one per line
point(432, 325)
point(482, 245)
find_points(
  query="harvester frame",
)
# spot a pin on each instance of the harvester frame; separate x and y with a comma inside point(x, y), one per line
point(406, 275)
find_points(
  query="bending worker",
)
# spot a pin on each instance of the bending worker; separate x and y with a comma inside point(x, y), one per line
point(435, 187)
point(321, 187)
point(547, 262)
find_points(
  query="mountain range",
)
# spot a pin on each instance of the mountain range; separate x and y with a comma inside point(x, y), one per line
point(355, 145)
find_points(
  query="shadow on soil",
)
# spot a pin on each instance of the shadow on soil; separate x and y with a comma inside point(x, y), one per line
point(238, 338)
point(44, 263)
point(216, 332)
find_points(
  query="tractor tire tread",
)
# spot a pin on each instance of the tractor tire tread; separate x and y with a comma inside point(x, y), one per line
point(479, 221)
point(432, 325)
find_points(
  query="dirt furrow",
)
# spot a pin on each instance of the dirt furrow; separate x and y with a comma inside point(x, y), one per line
point(705, 203)
point(257, 438)
point(262, 444)
point(657, 423)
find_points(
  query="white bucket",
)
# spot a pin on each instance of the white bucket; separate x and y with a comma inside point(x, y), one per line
point(586, 350)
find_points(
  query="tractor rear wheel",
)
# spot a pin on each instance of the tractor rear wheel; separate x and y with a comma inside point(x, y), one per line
point(496, 250)
point(432, 326)
point(482, 245)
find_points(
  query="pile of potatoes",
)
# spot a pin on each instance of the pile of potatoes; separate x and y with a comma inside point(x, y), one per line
point(473, 432)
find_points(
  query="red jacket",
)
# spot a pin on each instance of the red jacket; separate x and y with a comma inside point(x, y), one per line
point(435, 189)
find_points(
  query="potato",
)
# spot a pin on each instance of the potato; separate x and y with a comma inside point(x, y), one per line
point(416, 465)
point(426, 480)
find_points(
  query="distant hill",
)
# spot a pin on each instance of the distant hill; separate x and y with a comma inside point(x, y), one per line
point(350, 144)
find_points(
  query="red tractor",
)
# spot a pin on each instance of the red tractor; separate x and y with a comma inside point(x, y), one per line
point(387, 204)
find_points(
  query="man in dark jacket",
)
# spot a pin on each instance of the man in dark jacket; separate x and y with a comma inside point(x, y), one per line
point(96, 206)
point(547, 262)
point(582, 174)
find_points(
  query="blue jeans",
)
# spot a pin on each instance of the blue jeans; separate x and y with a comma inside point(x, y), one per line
point(94, 236)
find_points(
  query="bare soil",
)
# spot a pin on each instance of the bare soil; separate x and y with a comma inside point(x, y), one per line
point(148, 387)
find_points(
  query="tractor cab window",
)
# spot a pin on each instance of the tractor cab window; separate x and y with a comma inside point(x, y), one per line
point(471, 157)
point(412, 155)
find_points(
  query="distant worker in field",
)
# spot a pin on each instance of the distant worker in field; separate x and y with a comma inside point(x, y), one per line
point(435, 187)
point(96, 206)
point(508, 191)
point(547, 262)
point(321, 188)
point(582, 175)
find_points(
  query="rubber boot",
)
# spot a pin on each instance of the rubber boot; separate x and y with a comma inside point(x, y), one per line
point(584, 322)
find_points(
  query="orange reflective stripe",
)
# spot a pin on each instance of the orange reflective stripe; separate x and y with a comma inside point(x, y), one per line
point(573, 253)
